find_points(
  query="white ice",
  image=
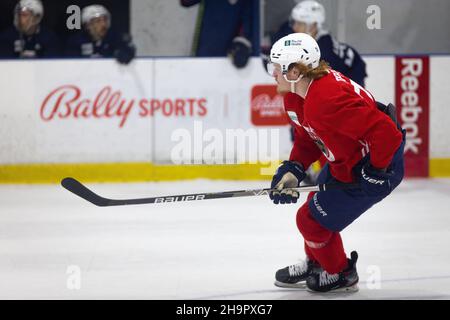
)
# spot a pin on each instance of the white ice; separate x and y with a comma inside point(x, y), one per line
point(213, 249)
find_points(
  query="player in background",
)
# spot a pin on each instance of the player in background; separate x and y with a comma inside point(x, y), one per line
point(27, 38)
point(309, 17)
point(97, 39)
point(362, 142)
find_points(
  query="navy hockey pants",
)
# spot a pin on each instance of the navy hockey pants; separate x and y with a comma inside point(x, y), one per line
point(336, 209)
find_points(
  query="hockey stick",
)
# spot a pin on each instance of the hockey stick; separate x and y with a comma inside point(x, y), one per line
point(80, 190)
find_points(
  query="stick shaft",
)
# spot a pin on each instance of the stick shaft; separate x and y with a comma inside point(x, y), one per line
point(82, 191)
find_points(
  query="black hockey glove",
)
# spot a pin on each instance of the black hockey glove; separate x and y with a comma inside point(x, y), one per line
point(289, 175)
point(240, 52)
point(126, 51)
point(375, 182)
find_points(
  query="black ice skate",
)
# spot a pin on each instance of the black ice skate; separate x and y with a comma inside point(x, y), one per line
point(345, 281)
point(295, 276)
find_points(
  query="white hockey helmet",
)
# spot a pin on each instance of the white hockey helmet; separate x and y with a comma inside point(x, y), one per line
point(295, 48)
point(309, 12)
point(94, 11)
point(34, 6)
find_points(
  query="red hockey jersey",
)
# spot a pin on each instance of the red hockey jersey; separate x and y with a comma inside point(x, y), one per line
point(340, 119)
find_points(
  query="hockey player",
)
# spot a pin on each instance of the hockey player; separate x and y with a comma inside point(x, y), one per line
point(335, 116)
point(97, 38)
point(27, 38)
point(309, 16)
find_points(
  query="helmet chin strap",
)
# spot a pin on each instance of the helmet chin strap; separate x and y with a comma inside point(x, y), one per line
point(293, 82)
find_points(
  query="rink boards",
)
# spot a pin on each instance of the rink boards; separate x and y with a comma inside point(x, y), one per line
point(177, 118)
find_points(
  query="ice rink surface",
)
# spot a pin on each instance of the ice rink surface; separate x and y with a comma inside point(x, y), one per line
point(213, 249)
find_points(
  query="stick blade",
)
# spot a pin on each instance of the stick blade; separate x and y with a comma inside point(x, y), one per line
point(80, 190)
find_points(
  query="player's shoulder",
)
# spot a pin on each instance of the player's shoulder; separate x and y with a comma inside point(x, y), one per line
point(327, 41)
point(330, 83)
point(326, 93)
point(326, 38)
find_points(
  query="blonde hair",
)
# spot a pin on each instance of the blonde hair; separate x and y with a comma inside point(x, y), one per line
point(313, 73)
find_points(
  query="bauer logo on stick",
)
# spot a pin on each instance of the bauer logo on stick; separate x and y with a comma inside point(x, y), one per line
point(180, 198)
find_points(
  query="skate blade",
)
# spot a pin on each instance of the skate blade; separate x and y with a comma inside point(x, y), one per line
point(298, 285)
point(350, 289)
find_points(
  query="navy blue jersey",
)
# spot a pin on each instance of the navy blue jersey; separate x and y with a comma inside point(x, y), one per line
point(43, 44)
point(283, 31)
point(82, 45)
point(219, 22)
point(340, 56)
